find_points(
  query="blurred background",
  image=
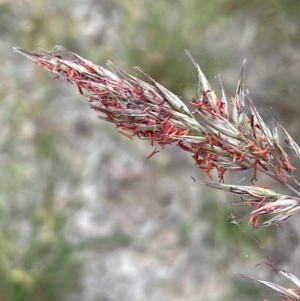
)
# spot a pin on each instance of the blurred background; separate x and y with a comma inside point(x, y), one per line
point(83, 214)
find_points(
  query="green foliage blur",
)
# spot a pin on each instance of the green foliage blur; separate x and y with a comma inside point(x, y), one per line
point(42, 167)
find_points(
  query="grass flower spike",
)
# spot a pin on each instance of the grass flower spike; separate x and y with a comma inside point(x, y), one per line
point(220, 134)
point(288, 294)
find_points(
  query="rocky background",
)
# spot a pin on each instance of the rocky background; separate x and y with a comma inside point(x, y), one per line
point(83, 215)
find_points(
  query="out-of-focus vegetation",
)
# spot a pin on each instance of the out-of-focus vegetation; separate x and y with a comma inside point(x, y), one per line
point(65, 176)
